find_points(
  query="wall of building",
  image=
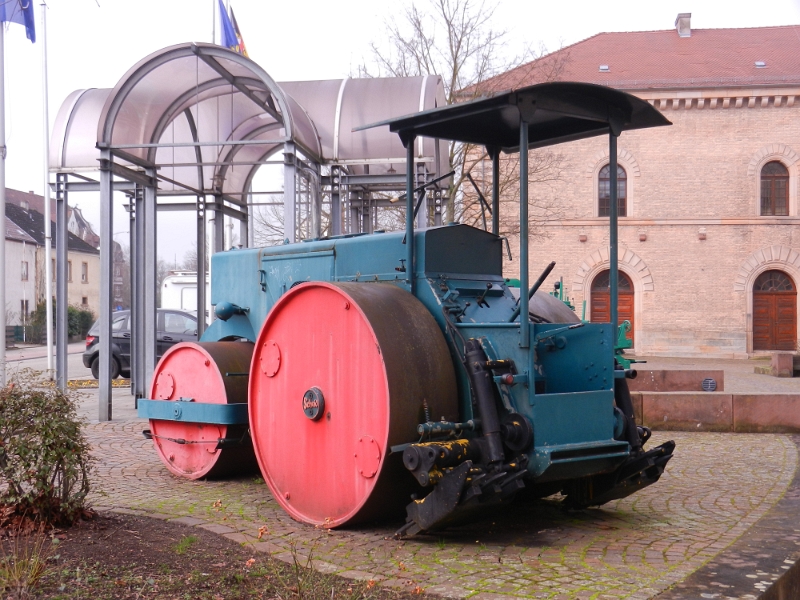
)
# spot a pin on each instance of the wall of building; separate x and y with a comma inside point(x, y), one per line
point(85, 294)
point(19, 289)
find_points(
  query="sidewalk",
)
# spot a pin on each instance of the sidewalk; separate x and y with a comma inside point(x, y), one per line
point(30, 351)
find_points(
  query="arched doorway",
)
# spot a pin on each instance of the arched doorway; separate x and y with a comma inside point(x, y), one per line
point(774, 312)
point(601, 299)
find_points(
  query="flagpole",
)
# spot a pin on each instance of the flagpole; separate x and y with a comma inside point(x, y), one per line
point(2, 207)
point(48, 244)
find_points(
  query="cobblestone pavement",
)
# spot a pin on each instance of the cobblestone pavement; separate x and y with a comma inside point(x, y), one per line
point(715, 488)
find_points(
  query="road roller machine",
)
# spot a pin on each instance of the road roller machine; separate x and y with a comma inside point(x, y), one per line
point(395, 374)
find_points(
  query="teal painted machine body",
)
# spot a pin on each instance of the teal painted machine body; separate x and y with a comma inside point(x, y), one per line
point(565, 381)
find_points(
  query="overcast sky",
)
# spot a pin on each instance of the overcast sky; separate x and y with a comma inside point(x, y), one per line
point(92, 43)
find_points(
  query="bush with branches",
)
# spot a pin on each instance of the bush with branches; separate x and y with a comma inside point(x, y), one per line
point(45, 461)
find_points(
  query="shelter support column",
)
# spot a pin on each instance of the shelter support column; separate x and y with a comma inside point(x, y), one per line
point(219, 225)
point(137, 230)
point(202, 267)
point(150, 283)
point(62, 299)
point(106, 277)
point(336, 201)
point(289, 192)
point(244, 228)
point(437, 210)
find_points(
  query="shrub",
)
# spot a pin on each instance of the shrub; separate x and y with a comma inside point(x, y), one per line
point(79, 321)
point(45, 463)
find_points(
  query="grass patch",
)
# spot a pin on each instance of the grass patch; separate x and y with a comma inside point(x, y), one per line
point(23, 563)
point(184, 544)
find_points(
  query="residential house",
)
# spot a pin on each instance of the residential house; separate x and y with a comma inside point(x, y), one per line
point(83, 261)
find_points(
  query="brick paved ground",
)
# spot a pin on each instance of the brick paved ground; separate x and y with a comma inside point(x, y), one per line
point(714, 490)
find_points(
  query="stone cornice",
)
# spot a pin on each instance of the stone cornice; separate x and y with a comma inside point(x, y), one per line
point(721, 98)
point(633, 222)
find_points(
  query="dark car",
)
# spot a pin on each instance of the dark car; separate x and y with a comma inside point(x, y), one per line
point(173, 326)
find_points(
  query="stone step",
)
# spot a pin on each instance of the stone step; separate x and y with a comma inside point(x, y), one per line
point(718, 411)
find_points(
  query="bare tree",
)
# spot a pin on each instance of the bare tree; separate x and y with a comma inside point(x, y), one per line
point(189, 262)
point(457, 40)
point(268, 221)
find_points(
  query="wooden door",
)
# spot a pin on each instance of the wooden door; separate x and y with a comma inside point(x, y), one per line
point(774, 312)
point(601, 300)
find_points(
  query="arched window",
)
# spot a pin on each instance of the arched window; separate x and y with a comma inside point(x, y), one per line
point(604, 192)
point(773, 281)
point(774, 189)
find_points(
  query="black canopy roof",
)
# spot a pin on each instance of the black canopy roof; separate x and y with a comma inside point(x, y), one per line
point(556, 112)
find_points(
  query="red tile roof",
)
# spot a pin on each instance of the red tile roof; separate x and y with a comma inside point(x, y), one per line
point(661, 59)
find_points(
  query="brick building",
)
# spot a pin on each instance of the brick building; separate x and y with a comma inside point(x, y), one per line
point(710, 218)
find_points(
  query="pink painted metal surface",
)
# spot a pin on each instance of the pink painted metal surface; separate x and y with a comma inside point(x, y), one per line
point(375, 354)
point(198, 371)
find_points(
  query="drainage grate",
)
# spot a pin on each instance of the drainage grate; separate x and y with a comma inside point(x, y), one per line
point(709, 384)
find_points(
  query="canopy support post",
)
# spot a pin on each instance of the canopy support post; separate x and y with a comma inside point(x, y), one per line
point(494, 154)
point(150, 269)
point(613, 243)
point(409, 143)
point(137, 289)
point(106, 278)
point(289, 193)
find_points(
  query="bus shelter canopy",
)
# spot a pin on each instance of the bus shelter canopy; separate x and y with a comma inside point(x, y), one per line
point(206, 118)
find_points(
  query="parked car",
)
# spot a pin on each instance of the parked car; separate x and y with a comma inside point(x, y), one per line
point(173, 326)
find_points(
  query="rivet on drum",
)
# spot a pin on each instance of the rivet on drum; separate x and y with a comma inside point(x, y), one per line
point(347, 306)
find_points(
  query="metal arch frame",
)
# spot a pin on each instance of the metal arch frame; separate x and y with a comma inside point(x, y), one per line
point(131, 79)
point(145, 211)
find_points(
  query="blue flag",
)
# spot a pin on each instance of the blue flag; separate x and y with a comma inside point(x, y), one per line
point(228, 33)
point(19, 11)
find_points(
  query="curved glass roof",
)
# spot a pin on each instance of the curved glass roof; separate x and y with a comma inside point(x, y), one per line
point(207, 118)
